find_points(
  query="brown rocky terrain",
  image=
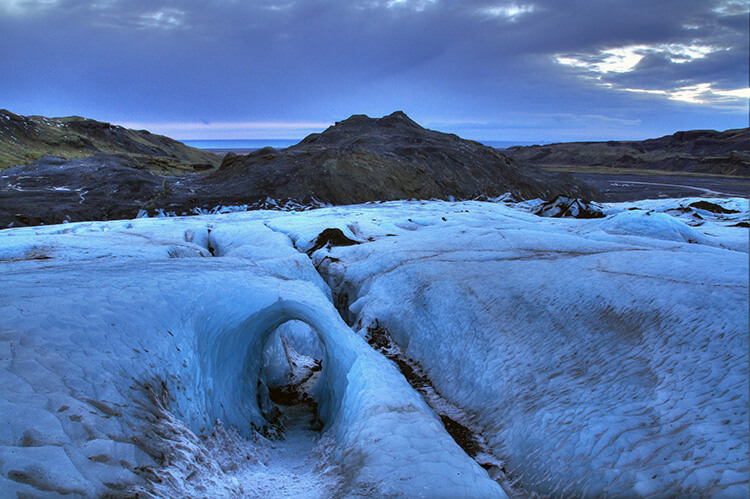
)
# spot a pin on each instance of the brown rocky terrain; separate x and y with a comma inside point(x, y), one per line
point(365, 159)
point(696, 151)
point(357, 160)
point(24, 139)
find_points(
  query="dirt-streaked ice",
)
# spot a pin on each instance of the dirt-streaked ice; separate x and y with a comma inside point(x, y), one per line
point(598, 356)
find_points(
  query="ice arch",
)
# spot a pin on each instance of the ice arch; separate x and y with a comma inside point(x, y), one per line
point(378, 429)
point(290, 356)
point(232, 361)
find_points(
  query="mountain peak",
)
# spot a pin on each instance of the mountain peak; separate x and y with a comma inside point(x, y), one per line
point(400, 118)
point(395, 118)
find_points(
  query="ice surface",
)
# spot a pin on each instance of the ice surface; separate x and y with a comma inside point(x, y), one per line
point(599, 356)
point(120, 332)
point(602, 356)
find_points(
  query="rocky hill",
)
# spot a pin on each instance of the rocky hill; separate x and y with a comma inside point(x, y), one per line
point(358, 160)
point(365, 159)
point(100, 187)
point(24, 139)
point(696, 151)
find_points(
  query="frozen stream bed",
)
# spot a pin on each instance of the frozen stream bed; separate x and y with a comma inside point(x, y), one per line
point(242, 354)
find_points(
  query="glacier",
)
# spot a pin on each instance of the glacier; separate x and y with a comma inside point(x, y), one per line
point(598, 356)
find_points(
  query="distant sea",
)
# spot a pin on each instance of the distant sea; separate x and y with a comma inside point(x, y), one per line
point(224, 145)
point(247, 145)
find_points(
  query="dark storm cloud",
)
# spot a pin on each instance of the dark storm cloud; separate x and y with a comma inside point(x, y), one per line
point(455, 61)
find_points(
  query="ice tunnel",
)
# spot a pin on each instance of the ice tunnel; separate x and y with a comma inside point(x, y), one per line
point(378, 424)
point(233, 363)
point(292, 361)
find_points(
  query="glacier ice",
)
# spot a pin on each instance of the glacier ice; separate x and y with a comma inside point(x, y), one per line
point(114, 337)
point(597, 356)
point(602, 357)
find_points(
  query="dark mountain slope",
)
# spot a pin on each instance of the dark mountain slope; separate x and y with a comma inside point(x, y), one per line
point(365, 159)
point(358, 160)
point(25, 139)
point(696, 151)
point(100, 187)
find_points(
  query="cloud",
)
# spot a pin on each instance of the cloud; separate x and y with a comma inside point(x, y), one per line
point(166, 18)
point(731, 7)
point(25, 7)
point(702, 93)
point(312, 61)
point(624, 59)
point(414, 5)
point(506, 11)
point(655, 58)
point(703, 63)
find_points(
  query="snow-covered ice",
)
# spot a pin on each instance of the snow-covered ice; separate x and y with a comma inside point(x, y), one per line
point(602, 356)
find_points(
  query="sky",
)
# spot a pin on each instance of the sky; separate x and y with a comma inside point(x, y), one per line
point(493, 70)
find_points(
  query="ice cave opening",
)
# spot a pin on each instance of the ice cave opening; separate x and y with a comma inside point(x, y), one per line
point(237, 373)
point(291, 365)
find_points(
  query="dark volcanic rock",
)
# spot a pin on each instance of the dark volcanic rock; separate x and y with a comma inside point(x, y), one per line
point(358, 160)
point(364, 159)
point(712, 207)
point(329, 238)
point(563, 207)
point(100, 187)
point(696, 151)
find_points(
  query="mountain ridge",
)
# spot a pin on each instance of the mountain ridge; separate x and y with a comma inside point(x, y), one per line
point(690, 151)
point(24, 139)
point(363, 159)
point(357, 160)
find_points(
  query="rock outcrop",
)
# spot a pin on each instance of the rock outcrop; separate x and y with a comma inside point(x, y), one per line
point(564, 207)
point(24, 139)
point(364, 159)
point(696, 151)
